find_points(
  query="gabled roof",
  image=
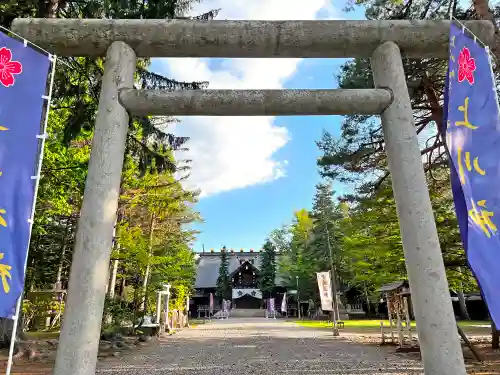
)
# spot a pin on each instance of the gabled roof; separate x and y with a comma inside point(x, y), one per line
point(243, 262)
point(209, 263)
point(393, 286)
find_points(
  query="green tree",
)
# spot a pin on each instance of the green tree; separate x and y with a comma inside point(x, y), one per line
point(326, 236)
point(371, 242)
point(372, 246)
point(267, 273)
point(326, 249)
point(296, 262)
point(157, 205)
point(280, 238)
point(358, 156)
point(223, 290)
point(149, 151)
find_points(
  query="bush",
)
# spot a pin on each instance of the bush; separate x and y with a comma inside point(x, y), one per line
point(116, 315)
point(41, 308)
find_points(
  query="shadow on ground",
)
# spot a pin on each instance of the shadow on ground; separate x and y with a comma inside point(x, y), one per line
point(275, 349)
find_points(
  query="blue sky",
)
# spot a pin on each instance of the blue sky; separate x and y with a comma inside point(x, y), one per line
point(242, 218)
point(255, 172)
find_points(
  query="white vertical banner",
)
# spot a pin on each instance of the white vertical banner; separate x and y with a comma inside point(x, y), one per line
point(211, 303)
point(325, 290)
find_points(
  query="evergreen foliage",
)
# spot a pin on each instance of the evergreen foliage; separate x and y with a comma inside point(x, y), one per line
point(267, 272)
point(363, 225)
point(223, 290)
point(152, 244)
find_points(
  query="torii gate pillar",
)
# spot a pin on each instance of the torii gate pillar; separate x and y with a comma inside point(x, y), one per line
point(437, 332)
point(81, 328)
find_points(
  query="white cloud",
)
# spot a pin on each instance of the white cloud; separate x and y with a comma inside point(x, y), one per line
point(235, 152)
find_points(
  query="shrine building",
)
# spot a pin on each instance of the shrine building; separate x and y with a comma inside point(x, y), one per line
point(243, 268)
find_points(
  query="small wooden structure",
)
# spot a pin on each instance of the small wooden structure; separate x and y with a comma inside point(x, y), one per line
point(355, 311)
point(203, 309)
point(397, 295)
point(52, 302)
point(398, 299)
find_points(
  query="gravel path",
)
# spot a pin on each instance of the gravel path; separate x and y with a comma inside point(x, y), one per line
point(259, 346)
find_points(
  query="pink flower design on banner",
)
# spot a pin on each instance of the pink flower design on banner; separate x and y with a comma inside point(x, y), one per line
point(466, 66)
point(8, 67)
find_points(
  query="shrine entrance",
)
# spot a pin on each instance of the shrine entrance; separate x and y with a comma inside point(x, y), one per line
point(247, 301)
point(245, 289)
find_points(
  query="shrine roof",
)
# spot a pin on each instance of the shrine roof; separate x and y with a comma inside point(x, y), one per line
point(209, 263)
point(393, 286)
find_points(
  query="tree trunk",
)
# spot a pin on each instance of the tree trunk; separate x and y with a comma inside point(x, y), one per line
point(367, 301)
point(148, 266)
point(123, 290)
point(114, 273)
point(464, 313)
point(58, 283)
point(50, 8)
point(482, 9)
point(115, 262)
point(495, 336)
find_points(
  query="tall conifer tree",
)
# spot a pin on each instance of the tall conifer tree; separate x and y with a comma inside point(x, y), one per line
point(267, 275)
point(223, 290)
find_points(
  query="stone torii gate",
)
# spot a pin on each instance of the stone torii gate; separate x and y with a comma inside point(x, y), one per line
point(122, 41)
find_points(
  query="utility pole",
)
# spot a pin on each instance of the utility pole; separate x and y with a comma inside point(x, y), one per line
point(335, 312)
point(298, 297)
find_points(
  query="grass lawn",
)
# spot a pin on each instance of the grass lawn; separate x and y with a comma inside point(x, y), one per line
point(367, 325)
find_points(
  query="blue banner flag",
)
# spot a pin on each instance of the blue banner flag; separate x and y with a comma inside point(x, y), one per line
point(23, 80)
point(473, 132)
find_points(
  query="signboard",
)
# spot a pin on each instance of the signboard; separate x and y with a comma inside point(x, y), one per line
point(325, 290)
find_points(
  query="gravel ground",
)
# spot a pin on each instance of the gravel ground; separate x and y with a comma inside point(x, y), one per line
point(259, 346)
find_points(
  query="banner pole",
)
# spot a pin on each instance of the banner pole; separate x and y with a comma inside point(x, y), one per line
point(42, 136)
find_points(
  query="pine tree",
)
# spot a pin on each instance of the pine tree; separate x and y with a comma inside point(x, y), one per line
point(325, 215)
point(223, 286)
point(325, 235)
point(267, 274)
point(358, 156)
